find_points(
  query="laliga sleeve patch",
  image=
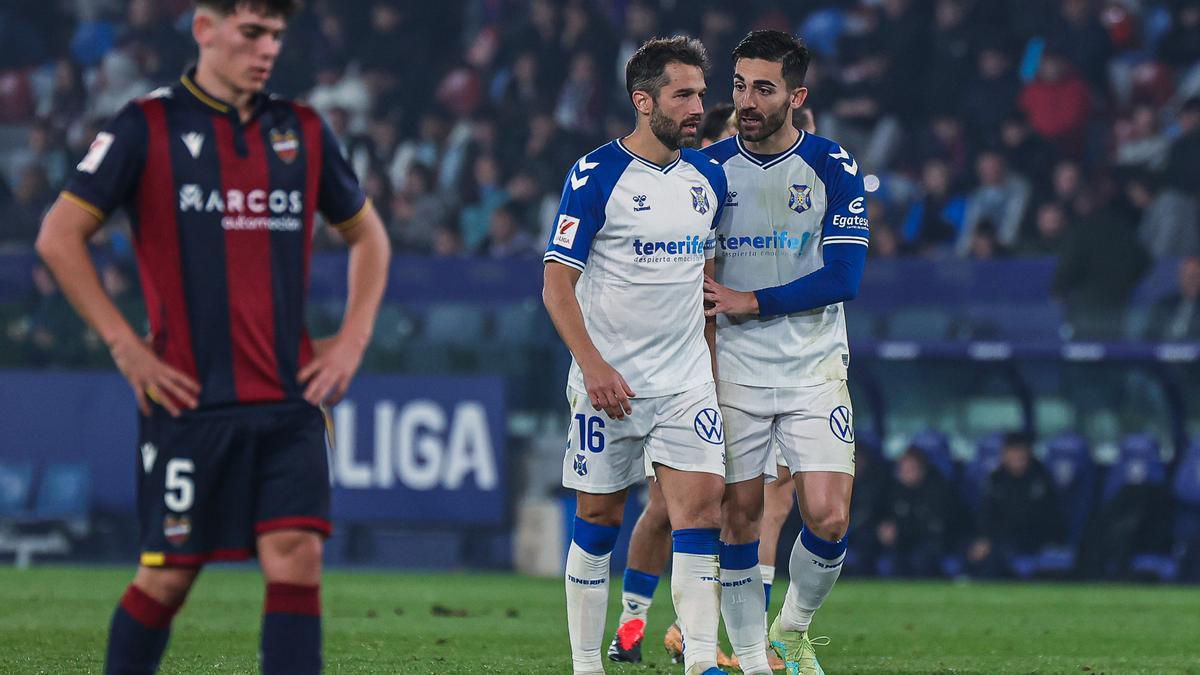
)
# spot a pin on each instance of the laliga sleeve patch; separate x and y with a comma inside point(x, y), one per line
point(96, 153)
point(565, 231)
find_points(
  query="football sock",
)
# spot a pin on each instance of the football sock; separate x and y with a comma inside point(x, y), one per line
point(768, 579)
point(696, 591)
point(741, 605)
point(637, 592)
point(815, 566)
point(291, 629)
point(138, 634)
point(587, 592)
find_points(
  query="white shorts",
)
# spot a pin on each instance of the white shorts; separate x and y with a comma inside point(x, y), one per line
point(802, 428)
point(682, 431)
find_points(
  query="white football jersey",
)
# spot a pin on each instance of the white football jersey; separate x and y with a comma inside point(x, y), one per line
point(781, 212)
point(637, 231)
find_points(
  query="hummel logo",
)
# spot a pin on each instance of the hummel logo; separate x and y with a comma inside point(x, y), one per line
point(632, 606)
point(640, 200)
point(583, 165)
point(852, 167)
point(194, 142)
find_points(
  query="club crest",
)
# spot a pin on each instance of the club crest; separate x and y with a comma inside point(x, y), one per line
point(800, 198)
point(177, 530)
point(285, 144)
point(699, 200)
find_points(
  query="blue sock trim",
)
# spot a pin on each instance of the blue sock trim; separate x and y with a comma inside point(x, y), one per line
point(697, 541)
point(767, 593)
point(593, 538)
point(640, 583)
point(739, 556)
point(829, 550)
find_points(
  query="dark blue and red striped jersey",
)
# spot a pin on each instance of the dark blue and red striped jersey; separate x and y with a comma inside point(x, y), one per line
point(222, 214)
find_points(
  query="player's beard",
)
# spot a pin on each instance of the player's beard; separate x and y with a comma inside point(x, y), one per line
point(767, 124)
point(670, 133)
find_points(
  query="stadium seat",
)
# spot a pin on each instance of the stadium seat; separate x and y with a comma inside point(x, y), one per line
point(981, 466)
point(919, 323)
point(64, 492)
point(16, 482)
point(936, 448)
point(453, 324)
point(1186, 489)
point(1140, 462)
point(521, 323)
point(1070, 464)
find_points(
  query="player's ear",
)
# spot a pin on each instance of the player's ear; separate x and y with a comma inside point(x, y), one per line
point(204, 25)
point(799, 95)
point(642, 102)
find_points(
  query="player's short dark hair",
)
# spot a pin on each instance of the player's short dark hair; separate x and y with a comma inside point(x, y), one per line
point(1017, 439)
point(646, 70)
point(779, 47)
point(284, 8)
point(716, 121)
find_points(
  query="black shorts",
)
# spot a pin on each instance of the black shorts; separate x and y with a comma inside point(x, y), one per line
point(210, 482)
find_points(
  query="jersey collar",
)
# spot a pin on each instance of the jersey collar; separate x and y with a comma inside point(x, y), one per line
point(199, 95)
point(768, 161)
point(643, 160)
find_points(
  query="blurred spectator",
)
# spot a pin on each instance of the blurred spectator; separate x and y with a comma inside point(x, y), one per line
point(949, 64)
point(1177, 316)
point(483, 194)
point(447, 243)
point(1001, 197)
point(151, 40)
point(579, 103)
point(935, 218)
point(718, 124)
point(418, 212)
point(1102, 262)
point(1057, 104)
point(991, 95)
point(22, 216)
point(922, 521)
point(1081, 38)
point(985, 243)
point(1050, 224)
point(43, 150)
point(1180, 47)
point(67, 98)
point(505, 237)
point(1019, 513)
point(51, 331)
point(1169, 226)
point(1027, 153)
point(873, 476)
point(1183, 157)
point(1140, 142)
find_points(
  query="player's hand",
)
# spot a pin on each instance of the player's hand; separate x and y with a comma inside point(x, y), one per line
point(607, 390)
point(720, 299)
point(152, 379)
point(328, 375)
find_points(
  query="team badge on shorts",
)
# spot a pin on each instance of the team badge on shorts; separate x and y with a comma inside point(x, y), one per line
point(177, 530)
point(285, 144)
point(708, 426)
point(581, 465)
point(841, 423)
point(800, 198)
point(699, 200)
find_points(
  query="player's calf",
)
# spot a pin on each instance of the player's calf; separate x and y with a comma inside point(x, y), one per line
point(291, 628)
point(141, 624)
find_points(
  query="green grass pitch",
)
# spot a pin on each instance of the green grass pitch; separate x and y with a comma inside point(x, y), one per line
point(54, 620)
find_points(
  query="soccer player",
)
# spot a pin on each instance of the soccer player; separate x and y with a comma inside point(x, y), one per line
point(624, 272)
point(790, 250)
point(221, 183)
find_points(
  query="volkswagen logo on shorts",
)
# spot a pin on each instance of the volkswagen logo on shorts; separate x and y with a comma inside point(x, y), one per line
point(708, 426)
point(841, 423)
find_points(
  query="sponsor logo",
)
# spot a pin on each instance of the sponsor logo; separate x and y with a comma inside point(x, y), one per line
point(149, 453)
point(586, 582)
point(739, 582)
point(827, 566)
point(632, 605)
point(580, 464)
point(640, 200)
point(775, 241)
point(708, 426)
point(177, 530)
point(800, 198)
point(699, 200)
point(253, 210)
point(690, 245)
point(285, 144)
point(565, 231)
point(841, 423)
point(194, 142)
point(856, 205)
point(853, 222)
point(96, 153)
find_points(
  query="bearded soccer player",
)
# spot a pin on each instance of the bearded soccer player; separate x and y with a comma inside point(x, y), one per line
point(790, 250)
point(221, 183)
point(624, 271)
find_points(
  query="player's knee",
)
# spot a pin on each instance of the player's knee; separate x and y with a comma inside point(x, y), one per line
point(291, 557)
point(600, 514)
point(168, 585)
point(831, 525)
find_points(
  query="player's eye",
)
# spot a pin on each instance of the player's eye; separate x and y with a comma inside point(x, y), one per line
point(764, 91)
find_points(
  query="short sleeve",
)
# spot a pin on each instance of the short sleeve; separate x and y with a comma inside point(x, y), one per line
point(108, 175)
point(580, 216)
point(720, 185)
point(846, 203)
point(339, 198)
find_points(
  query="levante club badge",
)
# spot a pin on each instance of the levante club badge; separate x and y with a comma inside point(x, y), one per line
point(177, 529)
point(285, 144)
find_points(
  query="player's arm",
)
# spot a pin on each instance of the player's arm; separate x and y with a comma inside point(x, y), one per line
point(710, 322)
point(103, 180)
point(606, 388)
point(336, 359)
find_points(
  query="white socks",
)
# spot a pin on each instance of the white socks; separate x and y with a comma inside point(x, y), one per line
point(637, 592)
point(742, 606)
point(587, 593)
point(815, 566)
point(768, 580)
point(696, 591)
